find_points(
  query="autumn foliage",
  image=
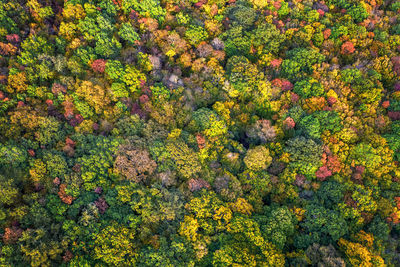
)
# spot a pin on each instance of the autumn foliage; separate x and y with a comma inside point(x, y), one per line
point(199, 133)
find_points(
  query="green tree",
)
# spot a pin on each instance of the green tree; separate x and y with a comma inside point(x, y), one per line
point(128, 33)
point(330, 194)
point(393, 139)
point(305, 154)
point(95, 157)
point(308, 88)
point(268, 37)
point(315, 124)
point(236, 43)
point(329, 120)
point(173, 251)
point(196, 34)
point(242, 15)
point(243, 75)
point(321, 226)
point(106, 46)
point(358, 13)
point(12, 155)
point(299, 62)
point(365, 155)
point(249, 231)
point(146, 8)
point(129, 126)
point(310, 126)
point(277, 226)
point(115, 70)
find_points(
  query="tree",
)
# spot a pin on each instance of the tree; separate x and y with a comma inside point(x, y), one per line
point(250, 231)
point(115, 245)
point(310, 126)
point(393, 139)
point(128, 33)
point(305, 154)
point(358, 13)
point(133, 78)
point(196, 34)
point(357, 254)
point(326, 255)
point(277, 226)
point(185, 159)
point(107, 47)
point(257, 158)
point(329, 120)
point(93, 94)
point(228, 187)
point(129, 126)
point(49, 131)
point(154, 207)
point(146, 8)
point(94, 154)
point(134, 164)
point(242, 15)
point(267, 38)
point(32, 47)
point(365, 155)
point(379, 228)
point(17, 83)
point(235, 42)
point(363, 198)
point(235, 253)
point(299, 62)
point(201, 119)
point(243, 75)
point(8, 191)
point(115, 70)
point(330, 194)
point(308, 87)
point(38, 249)
point(169, 252)
point(55, 164)
point(321, 226)
point(160, 94)
point(12, 155)
point(262, 131)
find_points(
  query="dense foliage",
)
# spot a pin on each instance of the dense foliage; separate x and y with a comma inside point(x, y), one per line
point(199, 133)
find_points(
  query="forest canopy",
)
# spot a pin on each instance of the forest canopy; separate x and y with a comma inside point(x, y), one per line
point(200, 133)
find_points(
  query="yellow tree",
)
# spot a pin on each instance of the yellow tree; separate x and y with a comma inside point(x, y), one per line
point(95, 95)
point(115, 245)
